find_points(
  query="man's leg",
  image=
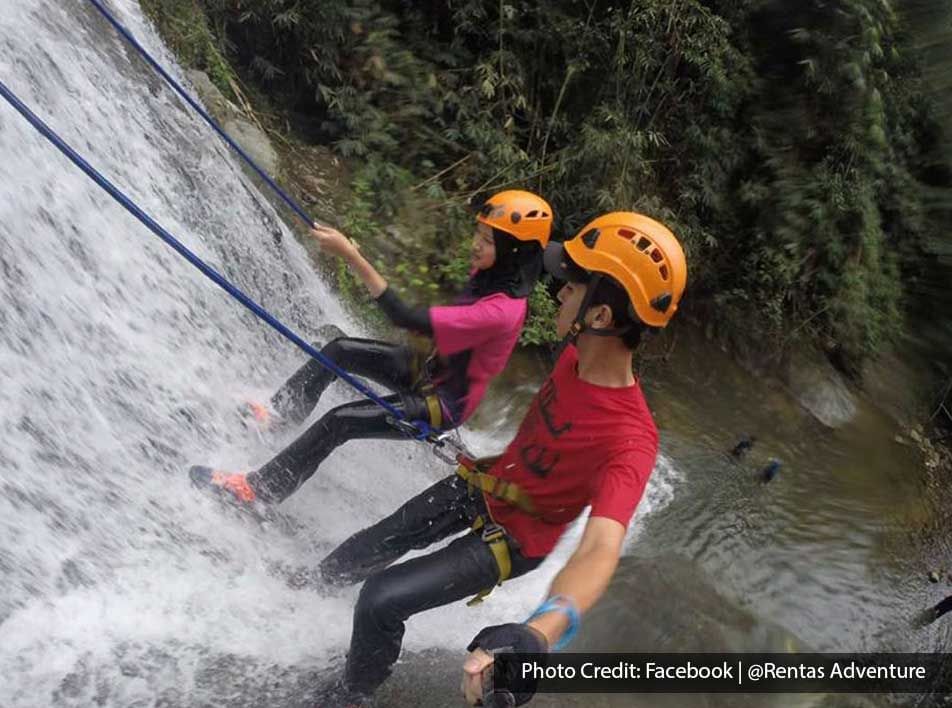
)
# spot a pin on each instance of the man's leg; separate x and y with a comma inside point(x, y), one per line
point(294, 465)
point(387, 364)
point(390, 597)
point(442, 510)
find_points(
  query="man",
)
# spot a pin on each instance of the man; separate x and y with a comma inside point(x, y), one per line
point(587, 440)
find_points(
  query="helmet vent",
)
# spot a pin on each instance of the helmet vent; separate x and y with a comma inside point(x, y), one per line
point(656, 256)
point(662, 302)
point(664, 272)
point(590, 237)
point(627, 233)
point(532, 214)
point(643, 244)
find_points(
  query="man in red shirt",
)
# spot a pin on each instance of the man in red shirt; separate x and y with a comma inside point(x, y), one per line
point(587, 440)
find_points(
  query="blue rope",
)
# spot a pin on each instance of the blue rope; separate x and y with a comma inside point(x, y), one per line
point(127, 35)
point(417, 429)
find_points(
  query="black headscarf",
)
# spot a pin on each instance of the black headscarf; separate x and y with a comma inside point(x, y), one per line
point(517, 268)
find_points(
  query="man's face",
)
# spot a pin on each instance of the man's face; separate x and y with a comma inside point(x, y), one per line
point(570, 299)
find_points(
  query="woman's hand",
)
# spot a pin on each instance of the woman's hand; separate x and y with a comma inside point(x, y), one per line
point(334, 242)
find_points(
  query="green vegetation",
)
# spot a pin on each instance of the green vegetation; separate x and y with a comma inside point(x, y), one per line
point(785, 143)
point(185, 27)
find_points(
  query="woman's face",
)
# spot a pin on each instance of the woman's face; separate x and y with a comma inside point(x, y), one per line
point(483, 254)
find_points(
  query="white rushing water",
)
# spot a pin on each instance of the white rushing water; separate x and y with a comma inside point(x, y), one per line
point(121, 365)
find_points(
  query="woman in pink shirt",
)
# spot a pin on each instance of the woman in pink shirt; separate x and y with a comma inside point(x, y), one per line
point(473, 339)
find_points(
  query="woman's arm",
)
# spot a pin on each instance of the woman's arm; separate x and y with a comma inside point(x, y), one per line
point(415, 319)
point(333, 241)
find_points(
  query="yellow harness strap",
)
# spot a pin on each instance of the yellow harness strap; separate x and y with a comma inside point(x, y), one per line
point(424, 387)
point(495, 536)
point(492, 533)
point(435, 411)
point(508, 492)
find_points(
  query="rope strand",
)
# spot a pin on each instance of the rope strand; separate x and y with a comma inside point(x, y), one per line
point(177, 87)
point(418, 429)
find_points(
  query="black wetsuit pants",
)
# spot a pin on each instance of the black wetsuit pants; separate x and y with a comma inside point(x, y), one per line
point(392, 593)
point(388, 364)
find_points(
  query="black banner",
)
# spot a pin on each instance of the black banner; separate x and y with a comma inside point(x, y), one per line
point(723, 673)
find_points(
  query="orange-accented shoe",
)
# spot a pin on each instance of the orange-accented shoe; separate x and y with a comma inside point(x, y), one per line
point(234, 485)
point(260, 415)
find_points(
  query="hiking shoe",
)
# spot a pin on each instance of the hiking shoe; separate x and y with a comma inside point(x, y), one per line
point(258, 415)
point(232, 486)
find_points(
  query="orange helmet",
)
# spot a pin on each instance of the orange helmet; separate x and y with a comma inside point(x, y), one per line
point(522, 215)
point(642, 255)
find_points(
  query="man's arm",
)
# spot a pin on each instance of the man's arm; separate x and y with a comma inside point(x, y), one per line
point(585, 576)
point(583, 580)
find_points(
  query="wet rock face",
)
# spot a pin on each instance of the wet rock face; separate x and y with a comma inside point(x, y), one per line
point(255, 142)
point(249, 136)
point(216, 103)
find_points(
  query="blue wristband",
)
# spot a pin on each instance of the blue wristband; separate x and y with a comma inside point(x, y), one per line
point(565, 605)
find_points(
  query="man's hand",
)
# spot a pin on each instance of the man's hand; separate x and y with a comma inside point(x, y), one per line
point(515, 638)
point(472, 684)
point(333, 241)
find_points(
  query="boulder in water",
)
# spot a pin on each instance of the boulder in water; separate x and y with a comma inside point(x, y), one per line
point(822, 390)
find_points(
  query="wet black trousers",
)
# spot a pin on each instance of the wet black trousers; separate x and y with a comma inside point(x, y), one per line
point(392, 593)
point(388, 364)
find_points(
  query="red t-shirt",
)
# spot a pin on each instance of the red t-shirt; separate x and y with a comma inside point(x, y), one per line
point(579, 444)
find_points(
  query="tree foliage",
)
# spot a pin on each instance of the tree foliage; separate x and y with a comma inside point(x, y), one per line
point(783, 142)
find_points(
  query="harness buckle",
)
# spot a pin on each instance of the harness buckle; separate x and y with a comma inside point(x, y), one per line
point(492, 531)
point(448, 448)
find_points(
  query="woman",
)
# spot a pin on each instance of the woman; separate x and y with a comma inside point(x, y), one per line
point(473, 340)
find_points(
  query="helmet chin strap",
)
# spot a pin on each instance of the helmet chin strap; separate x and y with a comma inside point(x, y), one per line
point(578, 326)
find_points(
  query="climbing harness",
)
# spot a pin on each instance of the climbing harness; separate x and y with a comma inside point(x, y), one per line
point(471, 471)
point(507, 492)
point(419, 430)
point(494, 536)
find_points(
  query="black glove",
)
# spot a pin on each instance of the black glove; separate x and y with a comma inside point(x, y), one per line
point(514, 638)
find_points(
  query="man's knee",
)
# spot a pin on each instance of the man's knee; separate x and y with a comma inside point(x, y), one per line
point(381, 601)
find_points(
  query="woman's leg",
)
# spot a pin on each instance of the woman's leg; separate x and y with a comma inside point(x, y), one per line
point(295, 464)
point(387, 364)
